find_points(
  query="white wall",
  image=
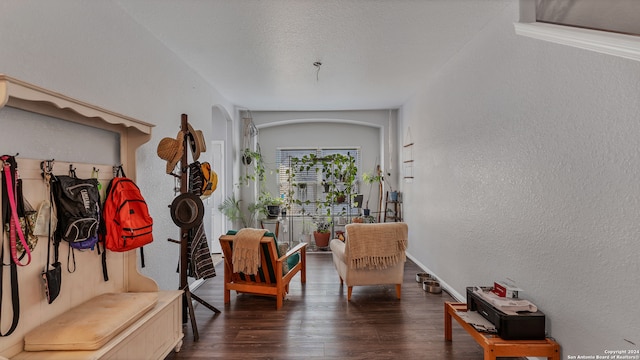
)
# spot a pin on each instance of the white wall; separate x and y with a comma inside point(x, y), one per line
point(37, 140)
point(369, 129)
point(94, 52)
point(527, 168)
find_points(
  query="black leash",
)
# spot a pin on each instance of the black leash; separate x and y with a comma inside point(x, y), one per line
point(15, 293)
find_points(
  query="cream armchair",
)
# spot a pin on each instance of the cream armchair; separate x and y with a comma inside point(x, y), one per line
point(372, 254)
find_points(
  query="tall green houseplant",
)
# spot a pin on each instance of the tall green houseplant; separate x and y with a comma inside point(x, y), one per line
point(370, 179)
point(231, 208)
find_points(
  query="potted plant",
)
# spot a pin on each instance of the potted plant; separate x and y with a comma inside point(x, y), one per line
point(307, 230)
point(393, 195)
point(230, 208)
point(322, 234)
point(370, 179)
point(269, 205)
point(247, 156)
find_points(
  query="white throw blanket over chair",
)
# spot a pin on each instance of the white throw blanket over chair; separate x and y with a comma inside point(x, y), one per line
point(372, 254)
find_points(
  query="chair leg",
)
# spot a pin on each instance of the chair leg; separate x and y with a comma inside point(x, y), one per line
point(227, 296)
point(279, 301)
point(303, 263)
point(349, 289)
point(228, 270)
point(398, 290)
point(341, 281)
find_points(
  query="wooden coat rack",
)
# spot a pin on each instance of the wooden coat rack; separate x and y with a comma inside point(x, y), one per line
point(184, 238)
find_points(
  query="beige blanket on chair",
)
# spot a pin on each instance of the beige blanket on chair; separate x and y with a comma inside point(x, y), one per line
point(246, 250)
point(376, 246)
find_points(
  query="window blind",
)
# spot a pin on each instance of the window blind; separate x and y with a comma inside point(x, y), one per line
point(308, 188)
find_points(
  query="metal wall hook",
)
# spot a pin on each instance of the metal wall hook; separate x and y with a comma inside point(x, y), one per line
point(47, 166)
point(116, 169)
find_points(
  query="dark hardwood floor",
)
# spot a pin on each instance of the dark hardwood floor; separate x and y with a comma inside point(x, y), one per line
point(317, 322)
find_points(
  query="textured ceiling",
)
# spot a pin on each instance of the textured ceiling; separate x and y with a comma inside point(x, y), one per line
point(259, 53)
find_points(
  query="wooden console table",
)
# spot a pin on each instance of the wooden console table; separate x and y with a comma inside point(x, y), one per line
point(493, 345)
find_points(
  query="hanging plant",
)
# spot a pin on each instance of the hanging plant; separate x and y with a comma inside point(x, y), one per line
point(246, 156)
point(259, 169)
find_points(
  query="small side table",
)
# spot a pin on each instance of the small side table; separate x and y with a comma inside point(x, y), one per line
point(275, 222)
point(493, 345)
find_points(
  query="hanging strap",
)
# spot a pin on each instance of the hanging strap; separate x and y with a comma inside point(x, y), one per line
point(49, 177)
point(71, 258)
point(142, 256)
point(15, 293)
point(46, 175)
point(14, 224)
point(49, 239)
point(71, 255)
point(56, 242)
point(105, 272)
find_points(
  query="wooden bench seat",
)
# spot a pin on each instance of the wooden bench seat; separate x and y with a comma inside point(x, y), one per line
point(152, 335)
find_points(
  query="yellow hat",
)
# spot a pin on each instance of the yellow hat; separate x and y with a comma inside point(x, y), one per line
point(210, 182)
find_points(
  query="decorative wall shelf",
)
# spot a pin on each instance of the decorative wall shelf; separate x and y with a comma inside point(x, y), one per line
point(25, 96)
point(407, 157)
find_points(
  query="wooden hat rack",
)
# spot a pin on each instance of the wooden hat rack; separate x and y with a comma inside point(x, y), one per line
point(184, 238)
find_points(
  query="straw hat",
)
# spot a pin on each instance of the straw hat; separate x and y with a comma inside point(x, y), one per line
point(171, 150)
point(196, 142)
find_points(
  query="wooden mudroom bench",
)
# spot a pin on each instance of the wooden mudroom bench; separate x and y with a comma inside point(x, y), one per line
point(126, 317)
point(110, 326)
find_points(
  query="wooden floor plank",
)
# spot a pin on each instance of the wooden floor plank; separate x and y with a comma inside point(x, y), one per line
point(317, 322)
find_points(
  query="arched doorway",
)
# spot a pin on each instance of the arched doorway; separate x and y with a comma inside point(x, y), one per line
point(220, 153)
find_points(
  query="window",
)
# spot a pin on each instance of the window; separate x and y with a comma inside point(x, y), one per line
point(309, 188)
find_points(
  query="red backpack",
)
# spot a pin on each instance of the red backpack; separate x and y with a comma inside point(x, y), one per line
point(126, 219)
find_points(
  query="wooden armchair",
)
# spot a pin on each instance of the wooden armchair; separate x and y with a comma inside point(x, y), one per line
point(274, 273)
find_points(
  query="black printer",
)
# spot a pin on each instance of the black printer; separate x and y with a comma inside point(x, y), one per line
point(524, 325)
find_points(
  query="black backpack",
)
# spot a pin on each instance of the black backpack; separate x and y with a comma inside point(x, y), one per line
point(78, 209)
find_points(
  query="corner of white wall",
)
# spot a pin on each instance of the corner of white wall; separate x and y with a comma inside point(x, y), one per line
point(449, 289)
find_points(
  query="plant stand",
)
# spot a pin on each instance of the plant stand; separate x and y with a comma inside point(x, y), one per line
point(393, 208)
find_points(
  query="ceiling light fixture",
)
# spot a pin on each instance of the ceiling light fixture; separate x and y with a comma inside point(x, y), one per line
point(317, 64)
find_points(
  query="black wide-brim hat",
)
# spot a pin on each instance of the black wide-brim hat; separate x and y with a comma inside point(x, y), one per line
point(187, 210)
